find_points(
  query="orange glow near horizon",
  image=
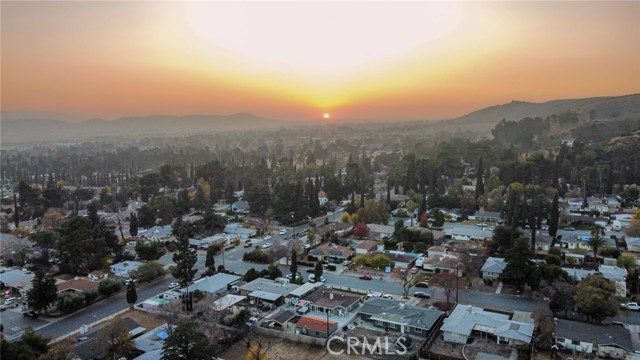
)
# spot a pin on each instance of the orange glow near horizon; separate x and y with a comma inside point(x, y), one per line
point(291, 61)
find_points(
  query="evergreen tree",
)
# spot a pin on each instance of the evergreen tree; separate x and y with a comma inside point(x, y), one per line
point(43, 291)
point(133, 225)
point(16, 213)
point(479, 180)
point(317, 271)
point(554, 217)
point(519, 264)
point(186, 342)
point(92, 211)
point(132, 294)
point(293, 268)
point(210, 261)
point(184, 257)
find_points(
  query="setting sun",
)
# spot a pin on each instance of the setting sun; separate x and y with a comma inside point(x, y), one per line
point(326, 115)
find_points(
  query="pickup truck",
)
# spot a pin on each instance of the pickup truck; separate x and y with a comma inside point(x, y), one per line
point(631, 306)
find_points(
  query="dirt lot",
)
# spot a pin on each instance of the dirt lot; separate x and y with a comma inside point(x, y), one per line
point(479, 344)
point(284, 350)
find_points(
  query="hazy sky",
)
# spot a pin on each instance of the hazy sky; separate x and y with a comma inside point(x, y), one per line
point(285, 60)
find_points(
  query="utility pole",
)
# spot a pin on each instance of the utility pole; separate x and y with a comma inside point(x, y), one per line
point(457, 286)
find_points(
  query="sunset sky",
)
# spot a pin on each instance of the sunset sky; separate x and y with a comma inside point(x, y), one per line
point(297, 61)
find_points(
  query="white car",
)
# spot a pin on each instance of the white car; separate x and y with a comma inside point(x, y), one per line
point(174, 285)
point(283, 231)
point(631, 306)
point(266, 245)
point(268, 237)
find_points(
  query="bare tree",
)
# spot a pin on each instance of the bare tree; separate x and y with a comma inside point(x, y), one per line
point(408, 279)
point(447, 281)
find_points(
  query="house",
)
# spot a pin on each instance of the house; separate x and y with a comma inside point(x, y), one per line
point(243, 233)
point(216, 284)
point(438, 236)
point(267, 292)
point(316, 327)
point(465, 234)
point(483, 216)
point(437, 251)
point(322, 197)
point(492, 268)
point(124, 268)
point(543, 242)
point(368, 246)
point(157, 233)
point(77, 284)
point(17, 279)
point(399, 259)
point(398, 316)
point(336, 302)
point(611, 273)
point(465, 319)
point(332, 252)
point(611, 341)
point(240, 207)
point(379, 232)
point(633, 244)
point(280, 318)
point(443, 264)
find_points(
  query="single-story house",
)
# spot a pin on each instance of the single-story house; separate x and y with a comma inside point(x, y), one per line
point(633, 244)
point(396, 315)
point(241, 207)
point(492, 268)
point(157, 232)
point(123, 269)
point(267, 291)
point(465, 319)
point(332, 252)
point(77, 285)
point(379, 232)
point(243, 233)
point(216, 284)
point(281, 318)
point(611, 273)
point(490, 216)
point(467, 234)
point(368, 246)
point(611, 341)
point(336, 302)
point(399, 259)
point(438, 236)
point(435, 251)
point(316, 327)
point(17, 279)
point(303, 290)
point(443, 264)
point(543, 242)
point(97, 275)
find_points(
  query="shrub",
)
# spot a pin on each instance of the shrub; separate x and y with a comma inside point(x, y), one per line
point(151, 250)
point(149, 271)
point(69, 301)
point(109, 286)
point(257, 256)
point(90, 296)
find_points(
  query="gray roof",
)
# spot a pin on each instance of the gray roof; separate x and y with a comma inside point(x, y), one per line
point(494, 265)
point(465, 318)
point(158, 232)
point(17, 278)
point(595, 334)
point(398, 312)
point(269, 286)
point(265, 295)
point(487, 214)
point(214, 284)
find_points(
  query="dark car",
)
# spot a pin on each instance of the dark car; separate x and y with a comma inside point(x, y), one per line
point(569, 229)
point(422, 294)
point(422, 285)
point(310, 271)
point(31, 314)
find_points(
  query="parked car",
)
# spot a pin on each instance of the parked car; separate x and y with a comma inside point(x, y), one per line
point(570, 228)
point(422, 284)
point(482, 224)
point(545, 227)
point(387, 296)
point(312, 278)
point(9, 300)
point(283, 231)
point(422, 294)
point(346, 263)
point(298, 276)
point(266, 245)
point(365, 277)
point(268, 237)
point(247, 244)
point(31, 314)
point(3, 307)
point(633, 306)
point(174, 285)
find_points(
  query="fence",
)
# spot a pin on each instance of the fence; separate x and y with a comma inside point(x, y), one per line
point(292, 337)
point(433, 336)
point(89, 326)
point(349, 289)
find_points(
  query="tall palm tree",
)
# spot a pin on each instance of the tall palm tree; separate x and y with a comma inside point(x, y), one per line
point(597, 240)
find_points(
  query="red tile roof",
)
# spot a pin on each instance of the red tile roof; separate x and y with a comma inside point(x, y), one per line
point(315, 324)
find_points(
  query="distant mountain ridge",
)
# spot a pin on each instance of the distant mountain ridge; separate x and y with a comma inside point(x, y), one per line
point(24, 130)
point(605, 107)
